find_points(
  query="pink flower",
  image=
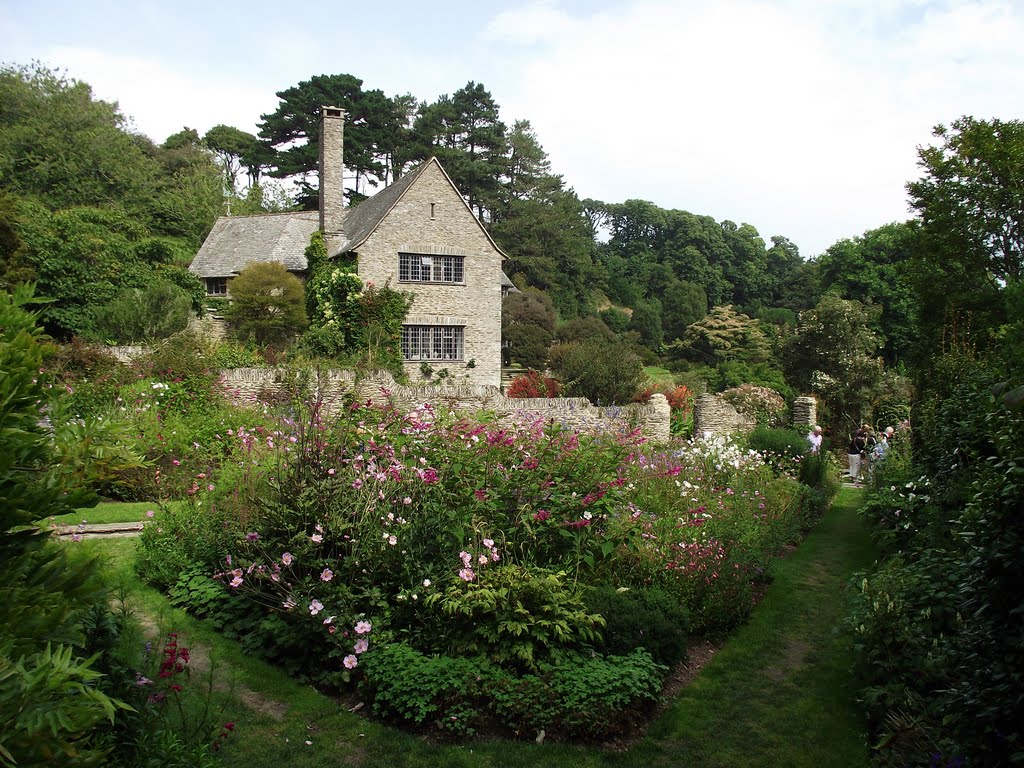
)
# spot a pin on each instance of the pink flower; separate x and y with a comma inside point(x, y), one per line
point(362, 644)
point(465, 557)
point(329, 620)
point(327, 575)
point(236, 582)
point(363, 627)
point(315, 607)
point(392, 540)
point(542, 515)
point(350, 662)
point(150, 513)
point(317, 538)
point(488, 543)
point(466, 574)
point(330, 471)
point(407, 500)
point(482, 559)
point(287, 558)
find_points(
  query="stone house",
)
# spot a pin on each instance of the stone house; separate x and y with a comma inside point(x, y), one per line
point(416, 235)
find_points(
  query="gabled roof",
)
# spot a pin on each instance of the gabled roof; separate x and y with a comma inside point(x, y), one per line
point(361, 221)
point(236, 241)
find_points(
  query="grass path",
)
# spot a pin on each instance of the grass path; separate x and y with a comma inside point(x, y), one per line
point(778, 693)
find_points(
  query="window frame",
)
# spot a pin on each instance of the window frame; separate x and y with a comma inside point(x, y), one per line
point(213, 283)
point(433, 343)
point(436, 269)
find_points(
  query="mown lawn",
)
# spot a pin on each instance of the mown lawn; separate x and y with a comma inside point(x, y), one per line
point(778, 693)
point(109, 512)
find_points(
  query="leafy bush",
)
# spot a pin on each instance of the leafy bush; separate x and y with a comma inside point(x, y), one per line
point(267, 304)
point(642, 617)
point(532, 384)
point(588, 695)
point(515, 615)
point(603, 372)
point(136, 315)
point(765, 405)
point(784, 449)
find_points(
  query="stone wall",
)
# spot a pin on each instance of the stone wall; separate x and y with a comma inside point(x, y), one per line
point(125, 353)
point(712, 415)
point(250, 385)
point(805, 412)
point(262, 384)
point(431, 218)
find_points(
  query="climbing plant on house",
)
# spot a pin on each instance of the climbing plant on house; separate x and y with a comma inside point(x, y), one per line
point(347, 318)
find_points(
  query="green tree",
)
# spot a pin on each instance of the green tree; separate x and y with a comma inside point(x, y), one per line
point(232, 147)
point(527, 326)
point(293, 130)
point(465, 131)
point(872, 269)
point(267, 304)
point(50, 703)
point(684, 303)
point(724, 335)
point(646, 322)
point(834, 354)
point(971, 206)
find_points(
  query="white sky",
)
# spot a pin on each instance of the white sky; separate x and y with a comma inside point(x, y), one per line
point(800, 117)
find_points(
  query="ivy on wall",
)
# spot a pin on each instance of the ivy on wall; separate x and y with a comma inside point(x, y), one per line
point(349, 319)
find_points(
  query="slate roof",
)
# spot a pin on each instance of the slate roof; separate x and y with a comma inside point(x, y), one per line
point(235, 241)
point(360, 221)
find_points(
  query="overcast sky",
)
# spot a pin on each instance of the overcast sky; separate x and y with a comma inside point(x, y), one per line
point(800, 117)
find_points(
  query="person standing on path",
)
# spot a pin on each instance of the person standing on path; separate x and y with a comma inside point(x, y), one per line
point(855, 453)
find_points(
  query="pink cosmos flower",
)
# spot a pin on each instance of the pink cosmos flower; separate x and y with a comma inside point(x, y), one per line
point(465, 557)
point(350, 662)
point(317, 538)
point(327, 575)
point(287, 558)
point(482, 559)
point(488, 543)
point(361, 646)
point(363, 627)
point(236, 582)
point(466, 574)
point(315, 607)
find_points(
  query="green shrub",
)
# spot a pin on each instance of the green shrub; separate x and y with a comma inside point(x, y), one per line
point(641, 617)
point(516, 615)
point(580, 694)
point(603, 372)
point(783, 449)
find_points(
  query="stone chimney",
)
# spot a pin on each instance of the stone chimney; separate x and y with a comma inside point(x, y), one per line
point(332, 193)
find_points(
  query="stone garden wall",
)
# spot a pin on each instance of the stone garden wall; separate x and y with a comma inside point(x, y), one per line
point(261, 384)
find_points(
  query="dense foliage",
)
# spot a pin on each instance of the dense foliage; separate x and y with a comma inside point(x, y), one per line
point(392, 547)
